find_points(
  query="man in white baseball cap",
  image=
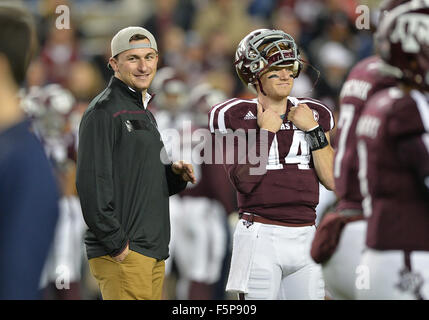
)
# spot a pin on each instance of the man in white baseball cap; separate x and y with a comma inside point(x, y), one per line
point(123, 185)
point(133, 66)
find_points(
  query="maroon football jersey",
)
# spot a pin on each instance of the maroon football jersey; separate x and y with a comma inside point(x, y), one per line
point(288, 188)
point(393, 159)
point(364, 80)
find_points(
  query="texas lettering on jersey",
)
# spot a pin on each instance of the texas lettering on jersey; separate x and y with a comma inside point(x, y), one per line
point(288, 188)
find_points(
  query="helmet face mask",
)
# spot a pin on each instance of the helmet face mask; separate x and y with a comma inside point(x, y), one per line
point(263, 49)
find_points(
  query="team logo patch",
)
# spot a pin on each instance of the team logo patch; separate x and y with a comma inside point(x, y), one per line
point(247, 224)
point(129, 125)
point(249, 116)
point(137, 124)
point(315, 115)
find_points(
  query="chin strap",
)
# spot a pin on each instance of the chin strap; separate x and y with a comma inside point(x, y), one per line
point(260, 87)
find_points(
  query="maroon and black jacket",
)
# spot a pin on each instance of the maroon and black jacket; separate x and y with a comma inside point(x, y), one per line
point(123, 186)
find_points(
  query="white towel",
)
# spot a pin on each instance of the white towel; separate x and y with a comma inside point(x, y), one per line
point(242, 256)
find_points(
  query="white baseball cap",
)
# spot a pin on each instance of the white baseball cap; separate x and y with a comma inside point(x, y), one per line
point(121, 40)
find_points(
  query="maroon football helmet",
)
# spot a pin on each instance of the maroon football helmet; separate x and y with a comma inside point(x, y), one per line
point(387, 5)
point(171, 90)
point(255, 54)
point(401, 41)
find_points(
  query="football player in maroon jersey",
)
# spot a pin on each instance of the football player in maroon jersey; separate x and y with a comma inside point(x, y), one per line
point(278, 195)
point(340, 237)
point(393, 151)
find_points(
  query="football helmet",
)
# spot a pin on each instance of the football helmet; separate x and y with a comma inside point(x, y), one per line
point(171, 89)
point(387, 5)
point(201, 99)
point(49, 107)
point(401, 41)
point(262, 49)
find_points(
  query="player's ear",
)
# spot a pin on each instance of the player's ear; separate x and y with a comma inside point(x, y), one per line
point(113, 63)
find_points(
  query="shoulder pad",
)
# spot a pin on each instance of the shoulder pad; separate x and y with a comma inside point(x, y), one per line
point(222, 115)
point(322, 113)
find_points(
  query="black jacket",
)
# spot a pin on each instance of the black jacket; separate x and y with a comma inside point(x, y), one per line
point(122, 183)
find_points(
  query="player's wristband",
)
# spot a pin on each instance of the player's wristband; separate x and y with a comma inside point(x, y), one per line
point(316, 138)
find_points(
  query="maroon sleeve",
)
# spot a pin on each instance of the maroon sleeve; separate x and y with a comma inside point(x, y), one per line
point(405, 109)
point(411, 140)
point(413, 153)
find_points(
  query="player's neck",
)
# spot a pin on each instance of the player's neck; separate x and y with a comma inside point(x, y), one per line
point(277, 105)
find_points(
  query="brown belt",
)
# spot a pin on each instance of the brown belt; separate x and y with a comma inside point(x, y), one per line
point(252, 218)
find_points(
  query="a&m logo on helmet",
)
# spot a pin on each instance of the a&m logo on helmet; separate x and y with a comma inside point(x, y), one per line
point(411, 30)
point(403, 43)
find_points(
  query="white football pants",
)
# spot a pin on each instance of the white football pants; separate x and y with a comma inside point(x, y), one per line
point(341, 269)
point(271, 262)
point(387, 278)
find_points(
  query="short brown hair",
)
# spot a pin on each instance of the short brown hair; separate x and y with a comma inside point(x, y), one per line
point(135, 37)
point(17, 39)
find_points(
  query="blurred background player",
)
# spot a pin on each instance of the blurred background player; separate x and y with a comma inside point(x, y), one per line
point(346, 227)
point(271, 246)
point(170, 112)
point(28, 190)
point(199, 231)
point(393, 150)
point(206, 207)
point(53, 111)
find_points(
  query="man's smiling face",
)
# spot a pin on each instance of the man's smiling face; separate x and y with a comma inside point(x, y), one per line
point(136, 67)
point(278, 82)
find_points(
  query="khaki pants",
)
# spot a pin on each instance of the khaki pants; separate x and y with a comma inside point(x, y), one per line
point(137, 277)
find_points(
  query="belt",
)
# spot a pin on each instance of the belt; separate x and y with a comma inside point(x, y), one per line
point(254, 218)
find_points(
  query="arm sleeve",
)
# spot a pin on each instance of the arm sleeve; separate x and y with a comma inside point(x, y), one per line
point(413, 152)
point(94, 180)
point(411, 139)
point(175, 182)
